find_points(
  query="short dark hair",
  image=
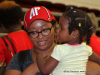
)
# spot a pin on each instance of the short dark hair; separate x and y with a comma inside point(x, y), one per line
point(53, 22)
point(76, 17)
point(10, 13)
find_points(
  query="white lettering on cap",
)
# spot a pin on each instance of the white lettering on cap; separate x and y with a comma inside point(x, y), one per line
point(34, 12)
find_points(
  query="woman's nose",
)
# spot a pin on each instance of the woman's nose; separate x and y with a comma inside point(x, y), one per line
point(40, 35)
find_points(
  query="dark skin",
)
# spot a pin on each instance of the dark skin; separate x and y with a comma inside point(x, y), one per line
point(46, 67)
point(92, 66)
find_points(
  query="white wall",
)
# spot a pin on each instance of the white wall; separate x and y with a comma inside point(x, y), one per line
point(91, 4)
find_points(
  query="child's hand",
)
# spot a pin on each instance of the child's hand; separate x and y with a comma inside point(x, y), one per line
point(44, 56)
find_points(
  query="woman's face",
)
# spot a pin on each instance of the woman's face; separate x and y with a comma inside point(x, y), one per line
point(42, 43)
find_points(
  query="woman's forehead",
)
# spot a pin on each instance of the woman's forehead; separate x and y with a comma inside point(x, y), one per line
point(38, 26)
point(39, 23)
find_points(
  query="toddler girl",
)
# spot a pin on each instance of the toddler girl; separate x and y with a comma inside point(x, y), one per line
point(70, 58)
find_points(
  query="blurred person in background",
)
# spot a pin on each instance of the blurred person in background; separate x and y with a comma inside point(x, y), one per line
point(95, 41)
point(10, 19)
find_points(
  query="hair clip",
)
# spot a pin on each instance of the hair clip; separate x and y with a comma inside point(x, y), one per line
point(91, 27)
point(74, 11)
point(71, 7)
point(79, 25)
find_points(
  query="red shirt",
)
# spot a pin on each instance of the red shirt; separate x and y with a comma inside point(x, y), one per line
point(95, 44)
point(20, 40)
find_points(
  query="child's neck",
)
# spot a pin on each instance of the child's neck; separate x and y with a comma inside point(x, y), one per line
point(73, 44)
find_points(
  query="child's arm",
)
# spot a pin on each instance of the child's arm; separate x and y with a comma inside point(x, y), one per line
point(94, 57)
point(46, 67)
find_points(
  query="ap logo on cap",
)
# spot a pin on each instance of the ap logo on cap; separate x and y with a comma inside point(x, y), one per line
point(34, 12)
point(37, 13)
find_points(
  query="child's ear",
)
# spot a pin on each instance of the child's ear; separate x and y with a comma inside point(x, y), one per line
point(75, 33)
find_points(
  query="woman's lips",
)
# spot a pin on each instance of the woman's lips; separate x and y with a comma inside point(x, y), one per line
point(42, 43)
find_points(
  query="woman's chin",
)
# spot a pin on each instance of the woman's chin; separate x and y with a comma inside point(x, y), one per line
point(59, 42)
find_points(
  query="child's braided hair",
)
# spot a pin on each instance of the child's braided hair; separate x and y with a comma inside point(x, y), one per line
point(79, 20)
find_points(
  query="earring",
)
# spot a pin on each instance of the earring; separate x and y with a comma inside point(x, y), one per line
point(73, 36)
point(55, 38)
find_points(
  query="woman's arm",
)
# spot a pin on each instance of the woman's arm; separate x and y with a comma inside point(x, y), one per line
point(46, 67)
point(14, 68)
point(94, 57)
point(92, 68)
point(31, 70)
point(12, 72)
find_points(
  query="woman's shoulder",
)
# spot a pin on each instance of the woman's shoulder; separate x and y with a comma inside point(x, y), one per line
point(24, 52)
point(22, 55)
point(20, 61)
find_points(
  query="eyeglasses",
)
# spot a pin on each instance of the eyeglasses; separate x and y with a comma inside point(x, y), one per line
point(44, 32)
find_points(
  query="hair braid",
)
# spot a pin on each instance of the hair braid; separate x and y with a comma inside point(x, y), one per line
point(88, 36)
point(90, 29)
point(71, 25)
point(81, 35)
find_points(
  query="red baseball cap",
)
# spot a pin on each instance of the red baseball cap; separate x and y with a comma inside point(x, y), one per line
point(37, 12)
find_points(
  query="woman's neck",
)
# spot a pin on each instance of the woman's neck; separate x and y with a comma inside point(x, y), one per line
point(49, 51)
point(15, 28)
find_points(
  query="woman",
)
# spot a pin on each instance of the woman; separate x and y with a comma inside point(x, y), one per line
point(39, 23)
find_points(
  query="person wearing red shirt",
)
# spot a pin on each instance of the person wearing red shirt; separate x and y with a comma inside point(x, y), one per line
point(95, 41)
point(10, 18)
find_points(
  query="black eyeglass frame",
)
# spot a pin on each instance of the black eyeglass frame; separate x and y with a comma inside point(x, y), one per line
point(41, 32)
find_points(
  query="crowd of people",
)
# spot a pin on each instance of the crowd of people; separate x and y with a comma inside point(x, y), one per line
point(36, 51)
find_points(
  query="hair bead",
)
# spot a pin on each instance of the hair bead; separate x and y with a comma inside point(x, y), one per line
point(71, 8)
